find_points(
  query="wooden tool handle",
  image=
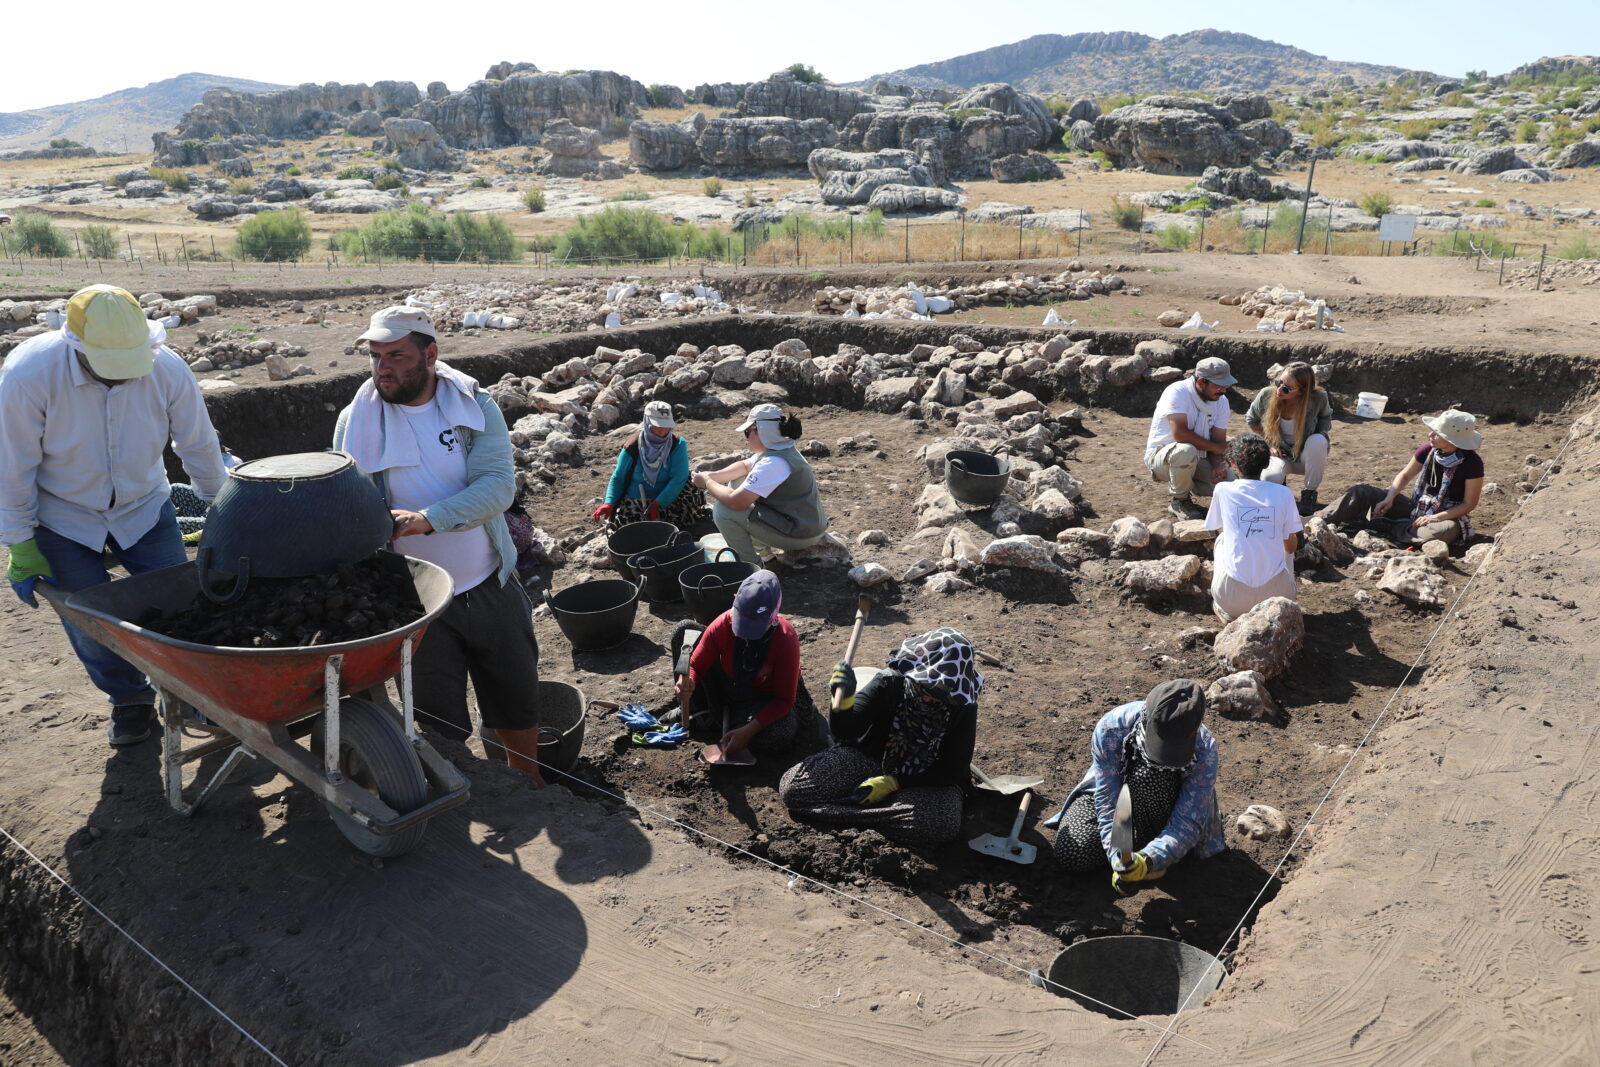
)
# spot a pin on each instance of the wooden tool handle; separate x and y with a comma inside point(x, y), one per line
point(862, 607)
point(1022, 812)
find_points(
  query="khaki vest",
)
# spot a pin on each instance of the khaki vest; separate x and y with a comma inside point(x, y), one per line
point(795, 506)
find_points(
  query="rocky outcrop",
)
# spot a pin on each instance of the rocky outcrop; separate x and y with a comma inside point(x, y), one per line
point(1494, 160)
point(1024, 167)
point(503, 70)
point(1240, 183)
point(417, 145)
point(782, 96)
point(1580, 154)
point(1183, 135)
point(593, 98)
point(924, 167)
point(904, 199)
point(575, 152)
point(966, 148)
point(1005, 99)
point(1393, 151)
point(364, 124)
point(666, 145)
point(763, 144)
point(722, 94)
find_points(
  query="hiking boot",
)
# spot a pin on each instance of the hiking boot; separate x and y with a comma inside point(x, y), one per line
point(1308, 502)
point(130, 723)
point(1184, 508)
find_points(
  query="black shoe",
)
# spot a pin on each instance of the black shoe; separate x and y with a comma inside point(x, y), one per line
point(1183, 508)
point(130, 723)
point(1308, 502)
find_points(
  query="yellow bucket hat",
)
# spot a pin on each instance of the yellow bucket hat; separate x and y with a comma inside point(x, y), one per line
point(114, 333)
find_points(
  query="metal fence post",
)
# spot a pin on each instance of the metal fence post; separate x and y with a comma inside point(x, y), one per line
point(908, 238)
point(1019, 236)
point(1327, 241)
point(1305, 208)
point(1539, 283)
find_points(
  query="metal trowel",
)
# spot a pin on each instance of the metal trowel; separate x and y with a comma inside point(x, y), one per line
point(1122, 827)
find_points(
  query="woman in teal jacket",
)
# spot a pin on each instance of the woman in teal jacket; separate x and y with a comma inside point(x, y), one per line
point(651, 478)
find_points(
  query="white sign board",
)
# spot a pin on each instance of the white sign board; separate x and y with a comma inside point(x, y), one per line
point(1401, 228)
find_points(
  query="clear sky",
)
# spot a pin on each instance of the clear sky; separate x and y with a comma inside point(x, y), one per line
point(96, 47)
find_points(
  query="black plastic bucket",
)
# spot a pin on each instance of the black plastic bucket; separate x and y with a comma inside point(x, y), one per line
point(561, 724)
point(660, 567)
point(637, 537)
point(1134, 975)
point(976, 478)
point(709, 588)
point(595, 615)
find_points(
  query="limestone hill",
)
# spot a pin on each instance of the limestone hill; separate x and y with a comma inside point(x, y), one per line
point(119, 121)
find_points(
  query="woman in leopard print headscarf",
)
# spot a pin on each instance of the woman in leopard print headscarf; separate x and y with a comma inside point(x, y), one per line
point(903, 745)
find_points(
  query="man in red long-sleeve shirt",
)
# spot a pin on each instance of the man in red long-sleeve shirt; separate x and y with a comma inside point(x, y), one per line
point(746, 667)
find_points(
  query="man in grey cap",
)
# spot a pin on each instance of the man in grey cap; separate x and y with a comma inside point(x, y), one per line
point(438, 449)
point(1190, 424)
point(1159, 752)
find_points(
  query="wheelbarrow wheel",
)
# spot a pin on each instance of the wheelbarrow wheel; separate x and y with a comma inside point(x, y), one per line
point(375, 755)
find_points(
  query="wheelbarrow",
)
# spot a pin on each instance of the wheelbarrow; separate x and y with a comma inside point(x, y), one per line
point(379, 779)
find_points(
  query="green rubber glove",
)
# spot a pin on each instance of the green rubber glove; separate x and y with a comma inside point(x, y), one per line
point(1124, 882)
point(875, 791)
point(26, 566)
point(843, 682)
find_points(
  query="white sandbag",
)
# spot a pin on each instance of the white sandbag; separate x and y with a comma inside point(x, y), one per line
point(1051, 318)
point(938, 305)
point(613, 320)
point(501, 322)
point(1195, 322)
point(171, 322)
point(1269, 326)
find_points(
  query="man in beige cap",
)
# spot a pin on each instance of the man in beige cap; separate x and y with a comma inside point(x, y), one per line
point(89, 409)
point(439, 451)
point(1190, 424)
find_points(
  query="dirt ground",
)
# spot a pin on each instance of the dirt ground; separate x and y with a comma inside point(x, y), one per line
point(567, 925)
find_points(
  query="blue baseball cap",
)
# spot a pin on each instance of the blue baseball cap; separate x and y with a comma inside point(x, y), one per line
point(755, 605)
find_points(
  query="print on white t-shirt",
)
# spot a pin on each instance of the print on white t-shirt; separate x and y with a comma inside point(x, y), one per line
point(1255, 518)
point(468, 555)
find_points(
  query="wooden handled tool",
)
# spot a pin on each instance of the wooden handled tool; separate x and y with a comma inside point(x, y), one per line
point(862, 607)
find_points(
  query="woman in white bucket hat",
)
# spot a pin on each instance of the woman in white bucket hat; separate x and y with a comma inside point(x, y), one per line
point(1446, 479)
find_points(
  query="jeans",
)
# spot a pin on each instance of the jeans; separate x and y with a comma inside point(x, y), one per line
point(1313, 463)
point(77, 567)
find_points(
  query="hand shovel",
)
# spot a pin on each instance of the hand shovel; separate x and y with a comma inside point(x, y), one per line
point(1122, 827)
point(1008, 848)
point(1004, 784)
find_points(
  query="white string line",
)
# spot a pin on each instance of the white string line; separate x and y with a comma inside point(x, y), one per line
point(1449, 614)
point(86, 902)
point(796, 875)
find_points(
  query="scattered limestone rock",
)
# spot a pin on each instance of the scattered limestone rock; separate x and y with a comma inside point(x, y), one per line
point(1169, 574)
point(1437, 552)
point(1413, 579)
point(959, 547)
point(872, 537)
point(1243, 695)
point(1263, 639)
point(919, 570)
point(1172, 317)
point(1262, 823)
point(1027, 551)
point(1191, 530)
point(1129, 532)
point(1476, 556)
point(869, 574)
point(946, 583)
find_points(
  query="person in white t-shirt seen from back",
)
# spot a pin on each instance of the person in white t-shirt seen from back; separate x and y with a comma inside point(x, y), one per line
point(438, 448)
point(1259, 523)
point(777, 501)
point(1188, 441)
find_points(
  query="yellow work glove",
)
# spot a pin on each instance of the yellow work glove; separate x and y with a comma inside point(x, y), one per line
point(876, 790)
point(843, 682)
point(1137, 871)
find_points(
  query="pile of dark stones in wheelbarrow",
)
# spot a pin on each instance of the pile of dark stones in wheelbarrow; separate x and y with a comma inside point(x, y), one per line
point(357, 601)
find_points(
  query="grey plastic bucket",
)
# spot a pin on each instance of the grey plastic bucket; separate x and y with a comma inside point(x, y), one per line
point(561, 724)
point(976, 478)
point(1134, 975)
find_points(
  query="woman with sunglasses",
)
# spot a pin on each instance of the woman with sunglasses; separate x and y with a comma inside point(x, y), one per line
point(1446, 479)
point(777, 501)
point(1295, 417)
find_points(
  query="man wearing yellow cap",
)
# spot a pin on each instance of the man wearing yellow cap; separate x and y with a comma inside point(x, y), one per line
point(88, 410)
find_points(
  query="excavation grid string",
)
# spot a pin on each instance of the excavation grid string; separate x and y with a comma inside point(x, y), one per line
point(1450, 613)
point(86, 902)
point(796, 876)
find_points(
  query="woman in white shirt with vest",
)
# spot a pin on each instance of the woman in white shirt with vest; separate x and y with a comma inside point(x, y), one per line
point(1258, 520)
point(776, 502)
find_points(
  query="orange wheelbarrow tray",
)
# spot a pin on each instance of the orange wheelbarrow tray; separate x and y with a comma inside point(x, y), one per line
point(266, 699)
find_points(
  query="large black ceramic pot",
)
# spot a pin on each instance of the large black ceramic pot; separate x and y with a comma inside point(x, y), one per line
point(288, 517)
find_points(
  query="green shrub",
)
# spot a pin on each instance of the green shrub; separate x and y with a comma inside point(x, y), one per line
point(1419, 129)
point(656, 95)
point(541, 242)
point(630, 194)
point(417, 232)
point(1376, 204)
point(712, 187)
point(355, 174)
point(393, 164)
point(34, 233)
point(1126, 216)
point(174, 179)
point(804, 72)
point(1116, 100)
point(63, 142)
point(99, 242)
point(1177, 238)
point(1579, 248)
point(241, 186)
point(1528, 131)
point(274, 236)
point(480, 182)
point(191, 153)
point(1483, 201)
point(960, 115)
point(1058, 108)
point(636, 233)
point(389, 181)
point(1192, 204)
point(1487, 243)
point(533, 200)
point(619, 126)
point(293, 172)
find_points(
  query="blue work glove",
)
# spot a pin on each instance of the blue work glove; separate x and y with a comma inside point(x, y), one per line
point(26, 566)
point(662, 738)
point(1125, 881)
point(843, 682)
point(635, 717)
point(876, 790)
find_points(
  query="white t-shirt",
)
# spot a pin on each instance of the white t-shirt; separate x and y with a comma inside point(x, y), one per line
point(1255, 518)
point(767, 473)
point(468, 555)
point(1179, 398)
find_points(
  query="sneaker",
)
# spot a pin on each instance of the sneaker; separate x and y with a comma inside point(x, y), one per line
point(1308, 502)
point(1183, 508)
point(130, 723)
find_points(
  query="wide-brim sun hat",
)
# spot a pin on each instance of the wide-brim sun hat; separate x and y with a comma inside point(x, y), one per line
point(111, 326)
point(1457, 427)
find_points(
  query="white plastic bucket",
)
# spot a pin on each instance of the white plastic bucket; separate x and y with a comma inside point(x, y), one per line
point(1370, 405)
